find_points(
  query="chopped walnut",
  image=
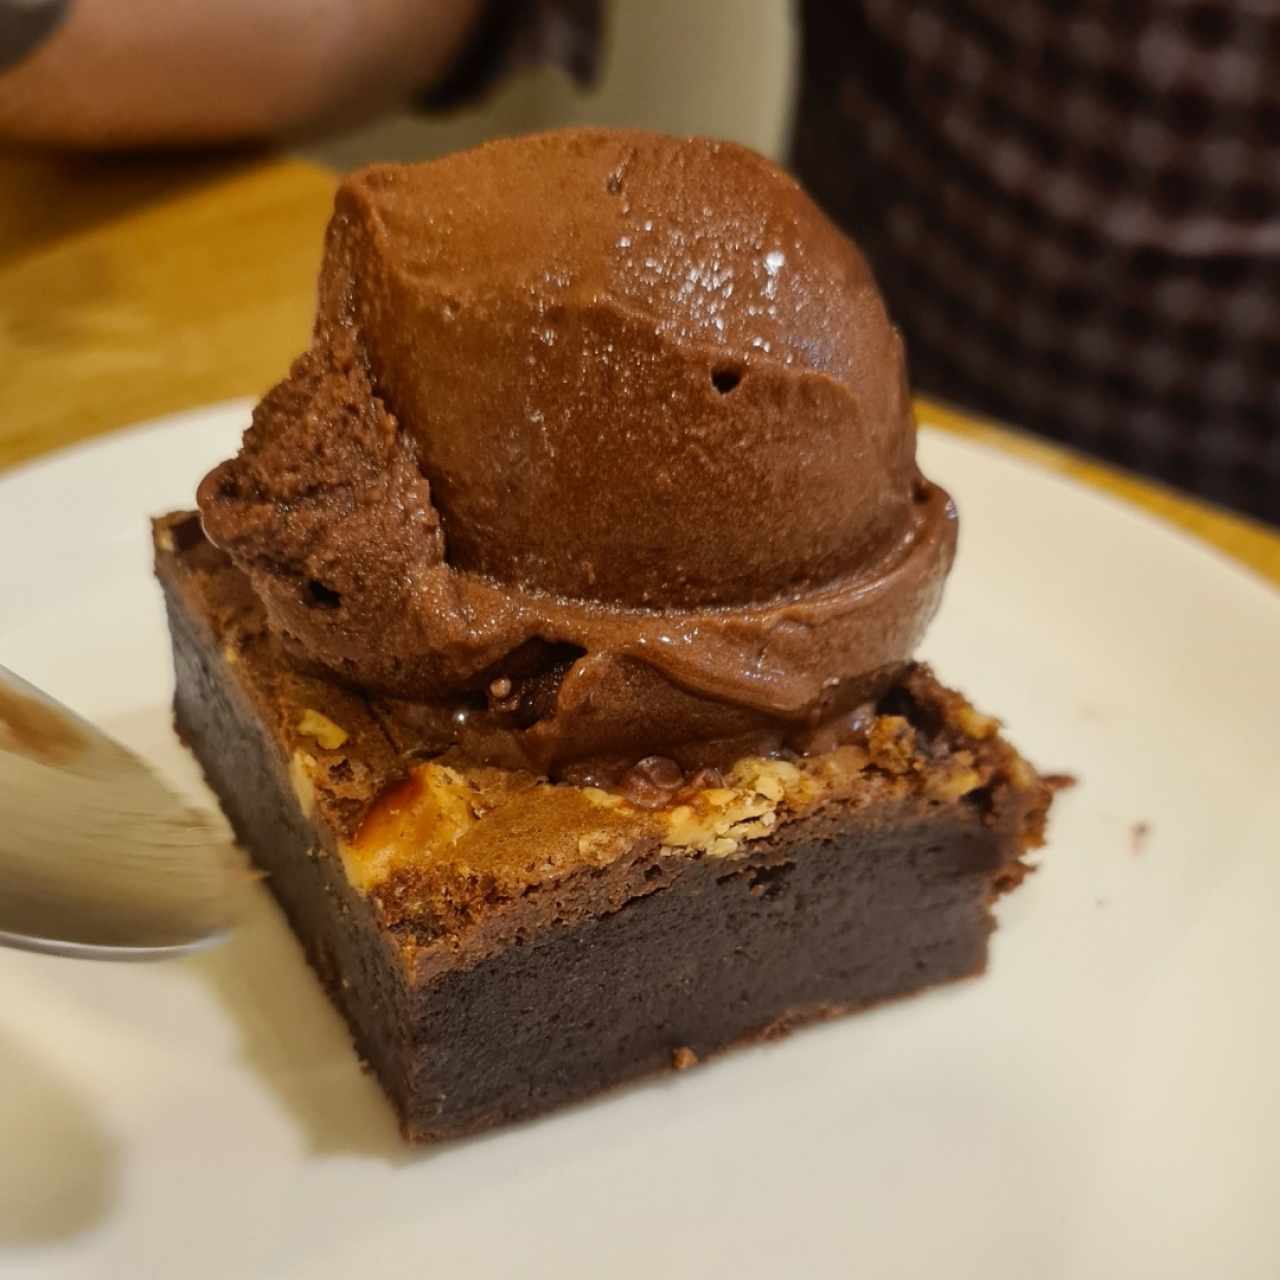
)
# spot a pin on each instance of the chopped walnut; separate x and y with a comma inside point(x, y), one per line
point(958, 778)
point(595, 844)
point(329, 735)
point(1021, 774)
point(892, 744)
point(973, 723)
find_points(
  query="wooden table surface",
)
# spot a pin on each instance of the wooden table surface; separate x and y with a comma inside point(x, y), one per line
point(135, 287)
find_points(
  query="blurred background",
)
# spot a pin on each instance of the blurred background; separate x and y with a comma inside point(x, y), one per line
point(725, 68)
point(1072, 210)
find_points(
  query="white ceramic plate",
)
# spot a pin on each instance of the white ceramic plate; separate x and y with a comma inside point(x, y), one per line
point(1102, 1104)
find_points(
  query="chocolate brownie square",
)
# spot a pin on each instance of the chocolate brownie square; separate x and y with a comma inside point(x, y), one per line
point(501, 944)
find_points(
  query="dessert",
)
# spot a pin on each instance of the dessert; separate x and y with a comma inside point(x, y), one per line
point(549, 641)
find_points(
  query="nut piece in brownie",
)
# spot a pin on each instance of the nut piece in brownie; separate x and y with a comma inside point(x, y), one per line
point(501, 944)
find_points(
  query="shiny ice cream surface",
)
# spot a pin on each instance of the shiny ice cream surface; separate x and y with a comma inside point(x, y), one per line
point(602, 449)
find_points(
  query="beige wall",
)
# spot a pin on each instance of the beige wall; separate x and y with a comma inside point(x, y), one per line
point(719, 67)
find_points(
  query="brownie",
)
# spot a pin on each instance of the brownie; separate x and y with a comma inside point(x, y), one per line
point(501, 944)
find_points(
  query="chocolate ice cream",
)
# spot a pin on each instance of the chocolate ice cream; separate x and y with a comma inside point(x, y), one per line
point(602, 450)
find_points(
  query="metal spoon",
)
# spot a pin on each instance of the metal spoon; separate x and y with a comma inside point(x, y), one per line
point(99, 858)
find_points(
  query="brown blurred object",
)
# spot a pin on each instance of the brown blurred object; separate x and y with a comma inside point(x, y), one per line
point(132, 288)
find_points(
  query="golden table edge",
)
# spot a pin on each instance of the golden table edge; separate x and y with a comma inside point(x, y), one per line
point(1249, 542)
point(167, 232)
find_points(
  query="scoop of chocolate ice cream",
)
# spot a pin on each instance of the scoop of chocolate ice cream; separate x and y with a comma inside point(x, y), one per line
point(602, 448)
point(636, 369)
